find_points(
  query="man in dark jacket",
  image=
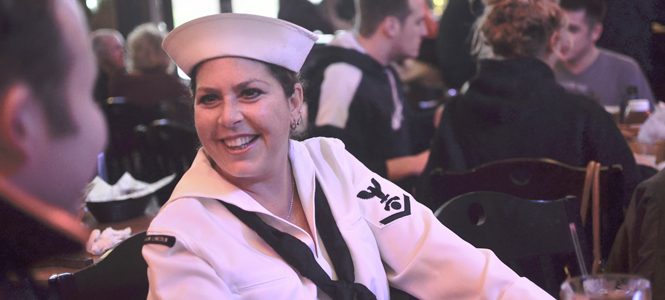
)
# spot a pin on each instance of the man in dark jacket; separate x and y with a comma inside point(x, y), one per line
point(50, 134)
point(639, 247)
point(356, 96)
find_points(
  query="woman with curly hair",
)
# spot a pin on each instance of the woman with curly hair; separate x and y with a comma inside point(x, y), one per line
point(151, 80)
point(514, 108)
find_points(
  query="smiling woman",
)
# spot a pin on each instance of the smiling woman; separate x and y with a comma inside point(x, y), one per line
point(243, 119)
point(260, 216)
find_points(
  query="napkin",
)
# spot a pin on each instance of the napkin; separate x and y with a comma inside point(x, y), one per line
point(100, 242)
point(126, 188)
point(653, 128)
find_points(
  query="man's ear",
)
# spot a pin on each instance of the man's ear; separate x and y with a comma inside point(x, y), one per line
point(596, 32)
point(390, 26)
point(17, 108)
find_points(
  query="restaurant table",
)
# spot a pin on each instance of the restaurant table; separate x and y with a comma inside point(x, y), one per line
point(645, 154)
point(648, 154)
point(76, 261)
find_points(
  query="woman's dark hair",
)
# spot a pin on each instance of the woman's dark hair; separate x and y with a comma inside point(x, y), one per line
point(286, 78)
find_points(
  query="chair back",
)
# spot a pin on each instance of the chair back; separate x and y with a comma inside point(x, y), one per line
point(121, 273)
point(528, 178)
point(533, 237)
point(167, 147)
point(122, 149)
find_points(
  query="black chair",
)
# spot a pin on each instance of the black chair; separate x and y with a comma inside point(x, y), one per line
point(167, 147)
point(121, 273)
point(121, 154)
point(533, 237)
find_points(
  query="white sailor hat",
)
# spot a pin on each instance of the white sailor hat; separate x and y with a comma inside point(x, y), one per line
point(261, 38)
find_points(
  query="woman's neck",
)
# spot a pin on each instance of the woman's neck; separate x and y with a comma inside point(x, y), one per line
point(273, 190)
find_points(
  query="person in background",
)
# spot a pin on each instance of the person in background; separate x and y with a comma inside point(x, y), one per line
point(599, 73)
point(50, 134)
point(514, 108)
point(109, 48)
point(355, 95)
point(151, 80)
point(454, 41)
point(327, 16)
point(261, 216)
point(639, 247)
point(628, 29)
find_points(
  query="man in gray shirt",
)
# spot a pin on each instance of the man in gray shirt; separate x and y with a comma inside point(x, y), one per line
point(585, 68)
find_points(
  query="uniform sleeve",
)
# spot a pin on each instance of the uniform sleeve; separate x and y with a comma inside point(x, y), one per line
point(177, 273)
point(425, 259)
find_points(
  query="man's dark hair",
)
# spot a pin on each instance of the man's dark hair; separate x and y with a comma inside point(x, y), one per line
point(372, 12)
point(596, 10)
point(33, 51)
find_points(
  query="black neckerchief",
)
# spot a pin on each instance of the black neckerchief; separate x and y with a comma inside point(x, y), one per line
point(300, 257)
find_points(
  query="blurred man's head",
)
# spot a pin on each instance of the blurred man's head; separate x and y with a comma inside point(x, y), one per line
point(50, 129)
point(402, 21)
point(109, 48)
point(585, 25)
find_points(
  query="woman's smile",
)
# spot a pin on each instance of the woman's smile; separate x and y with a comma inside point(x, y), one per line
point(239, 143)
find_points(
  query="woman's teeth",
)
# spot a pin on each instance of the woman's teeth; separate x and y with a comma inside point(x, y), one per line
point(239, 143)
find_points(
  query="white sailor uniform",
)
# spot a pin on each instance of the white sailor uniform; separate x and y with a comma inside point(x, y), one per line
point(202, 251)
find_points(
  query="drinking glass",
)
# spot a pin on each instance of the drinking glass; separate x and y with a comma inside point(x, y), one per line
point(606, 286)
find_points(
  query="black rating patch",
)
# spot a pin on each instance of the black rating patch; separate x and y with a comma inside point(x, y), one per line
point(165, 240)
point(399, 206)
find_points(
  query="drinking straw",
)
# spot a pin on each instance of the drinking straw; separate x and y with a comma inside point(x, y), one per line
point(578, 249)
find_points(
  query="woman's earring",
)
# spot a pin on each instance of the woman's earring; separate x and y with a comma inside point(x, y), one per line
point(295, 123)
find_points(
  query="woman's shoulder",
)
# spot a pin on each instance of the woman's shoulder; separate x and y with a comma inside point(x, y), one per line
point(325, 150)
point(316, 145)
point(330, 157)
point(184, 214)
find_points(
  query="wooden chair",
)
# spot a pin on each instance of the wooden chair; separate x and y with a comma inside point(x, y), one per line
point(121, 273)
point(528, 178)
point(539, 178)
point(533, 237)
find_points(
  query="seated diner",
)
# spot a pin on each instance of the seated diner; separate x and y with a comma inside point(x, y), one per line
point(261, 216)
point(514, 108)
